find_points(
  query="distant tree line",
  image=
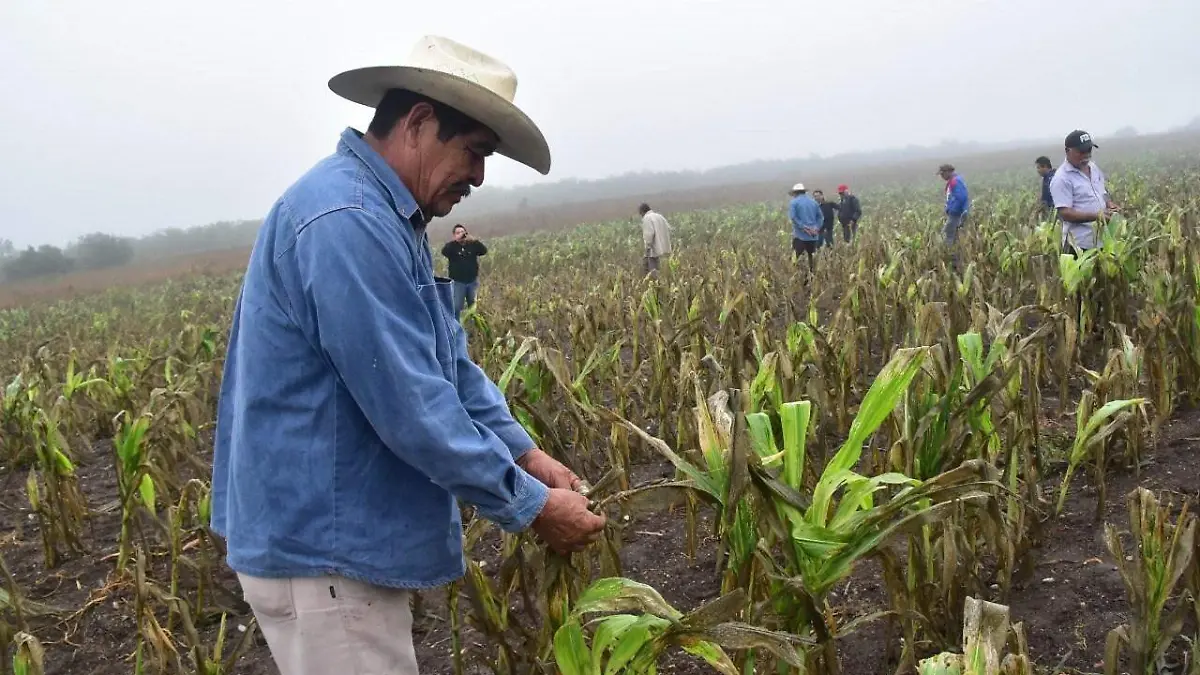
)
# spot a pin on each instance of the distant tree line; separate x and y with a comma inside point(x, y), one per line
point(101, 251)
point(90, 252)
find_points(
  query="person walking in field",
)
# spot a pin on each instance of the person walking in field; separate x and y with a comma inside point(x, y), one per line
point(806, 218)
point(463, 253)
point(1080, 194)
point(1046, 170)
point(849, 212)
point(351, 419)
point(656, 235)
point(828, 217)
point(958, 202)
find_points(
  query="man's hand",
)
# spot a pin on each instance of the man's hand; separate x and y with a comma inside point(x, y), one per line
point(548, 470)
point(1111, 208)
point(565, 523)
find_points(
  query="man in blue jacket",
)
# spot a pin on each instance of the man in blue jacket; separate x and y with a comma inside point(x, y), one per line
point(958, 204)
point(806, 219)
point(351, 419)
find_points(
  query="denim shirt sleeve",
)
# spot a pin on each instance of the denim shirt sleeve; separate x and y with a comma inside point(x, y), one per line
point(357, 288)
point(485, 403)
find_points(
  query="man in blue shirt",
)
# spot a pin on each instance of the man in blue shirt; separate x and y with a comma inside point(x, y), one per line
point(806, 219)
point(958, 204)
point(1046, 170)
point(351, 419)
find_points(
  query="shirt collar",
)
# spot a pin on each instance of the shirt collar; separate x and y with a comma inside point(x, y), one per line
point(1067, 166)
point(402, 200)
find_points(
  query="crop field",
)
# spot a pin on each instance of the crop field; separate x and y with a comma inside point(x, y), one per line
point(831, 474)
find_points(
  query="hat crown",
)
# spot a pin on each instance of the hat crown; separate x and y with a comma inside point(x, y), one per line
point(798, 187)
point(453, 58)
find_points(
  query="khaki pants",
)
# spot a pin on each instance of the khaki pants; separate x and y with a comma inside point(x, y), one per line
point(331, 625)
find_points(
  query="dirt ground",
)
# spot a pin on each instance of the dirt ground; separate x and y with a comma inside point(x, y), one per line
point(1070, 602)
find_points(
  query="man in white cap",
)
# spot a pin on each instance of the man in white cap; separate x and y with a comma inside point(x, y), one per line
point(351, 419)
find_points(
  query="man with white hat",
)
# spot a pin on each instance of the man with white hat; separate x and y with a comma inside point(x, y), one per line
point(351, 419)
point(807, 219)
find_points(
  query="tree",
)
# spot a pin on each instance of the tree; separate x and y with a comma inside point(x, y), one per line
point(98, 251)
point(7, 250)
point(43, 261)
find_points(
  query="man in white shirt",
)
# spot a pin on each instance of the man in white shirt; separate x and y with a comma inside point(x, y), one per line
point(1080, 195)
point(656, 235)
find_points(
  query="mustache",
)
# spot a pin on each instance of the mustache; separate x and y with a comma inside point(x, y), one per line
point(463, 189)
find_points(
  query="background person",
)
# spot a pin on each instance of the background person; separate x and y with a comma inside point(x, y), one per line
point(849, 212)
point(958, 202)
point(656, 235)
point(1080, 194)
point(463, 253)
point(806, 218)
point(828, 217)
point(1046, 170)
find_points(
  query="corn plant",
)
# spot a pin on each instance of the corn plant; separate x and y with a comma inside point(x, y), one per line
point(986, 631)
point(823, 538)
point(1092, 428)
point(1163, 552)
point(633, 643)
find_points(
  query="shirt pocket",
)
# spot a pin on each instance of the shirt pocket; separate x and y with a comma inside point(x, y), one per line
point(439, 300)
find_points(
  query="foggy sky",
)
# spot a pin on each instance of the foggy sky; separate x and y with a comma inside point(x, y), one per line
point(132, 116)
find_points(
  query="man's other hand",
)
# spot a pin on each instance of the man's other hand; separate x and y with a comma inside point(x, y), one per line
point(565, 523)
point(548, 470)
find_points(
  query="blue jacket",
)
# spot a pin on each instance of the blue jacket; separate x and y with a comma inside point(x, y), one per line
point(350, 416)
point(957, 201)
point(805, 212)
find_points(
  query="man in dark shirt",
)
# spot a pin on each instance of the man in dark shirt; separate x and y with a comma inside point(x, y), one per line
point(829, 217)
point(849, 212)
point(1046, 170)
point(463, 253)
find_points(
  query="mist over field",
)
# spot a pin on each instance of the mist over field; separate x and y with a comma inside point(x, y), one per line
point(137, 117)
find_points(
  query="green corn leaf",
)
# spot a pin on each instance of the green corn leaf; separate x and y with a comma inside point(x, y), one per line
point(795, 417)
point(883, 396)
point(633, 640)
point(762, 436)
point(712, 655)
point(609, 630)
point(615, 594)
point(146, 491)
point(571, 653)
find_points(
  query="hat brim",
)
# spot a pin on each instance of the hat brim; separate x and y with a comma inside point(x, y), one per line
point(520, 138)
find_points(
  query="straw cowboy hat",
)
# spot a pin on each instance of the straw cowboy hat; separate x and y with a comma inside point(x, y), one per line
point(469, 81)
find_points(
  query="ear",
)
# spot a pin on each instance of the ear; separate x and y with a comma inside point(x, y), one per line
point(421, 119)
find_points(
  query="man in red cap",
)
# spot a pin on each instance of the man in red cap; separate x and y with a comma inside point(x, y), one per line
point(849, 212)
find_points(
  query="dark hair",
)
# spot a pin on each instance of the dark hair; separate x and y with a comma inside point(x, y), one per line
point(818, 192)
point(397, 103)
point(459, 226)
point(643, 208)
point(1043, 161)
